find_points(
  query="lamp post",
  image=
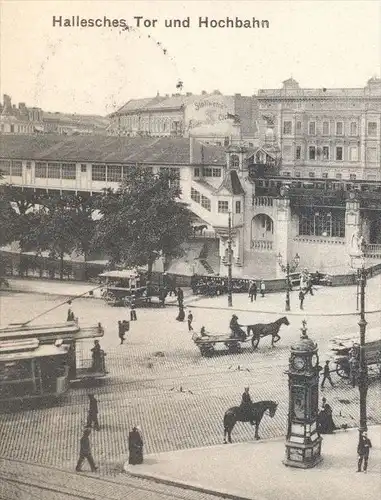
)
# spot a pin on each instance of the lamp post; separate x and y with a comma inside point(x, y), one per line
point(230, 298)
point(359, 263)
point(288, 268)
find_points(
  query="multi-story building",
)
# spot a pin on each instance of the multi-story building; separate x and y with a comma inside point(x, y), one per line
point(212, 118)
point(326, 133)
point(21, 120)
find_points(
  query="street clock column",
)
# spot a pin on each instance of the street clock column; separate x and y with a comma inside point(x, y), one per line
point(303, 444)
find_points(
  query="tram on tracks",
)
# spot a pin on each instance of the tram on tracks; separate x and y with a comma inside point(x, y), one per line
point(86, 361)
point(30, 370)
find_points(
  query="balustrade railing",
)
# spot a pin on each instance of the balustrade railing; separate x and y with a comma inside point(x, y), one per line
point(373, 250)
point(263, 201)
point(262, 245)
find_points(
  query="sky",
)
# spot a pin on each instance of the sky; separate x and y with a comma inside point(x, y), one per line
point(95, 70)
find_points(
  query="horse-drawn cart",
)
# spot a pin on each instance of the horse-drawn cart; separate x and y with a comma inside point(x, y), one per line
point(208, 342)
point(342, 345)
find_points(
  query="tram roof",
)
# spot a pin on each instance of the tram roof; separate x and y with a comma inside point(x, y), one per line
point(42, 351)
point(65, 331)
point(124, 274)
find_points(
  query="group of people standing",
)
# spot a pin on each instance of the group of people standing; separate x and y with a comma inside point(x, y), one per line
point(253, 289)
point(135, 441)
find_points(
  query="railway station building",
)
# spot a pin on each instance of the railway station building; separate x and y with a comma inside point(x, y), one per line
point(308, 181)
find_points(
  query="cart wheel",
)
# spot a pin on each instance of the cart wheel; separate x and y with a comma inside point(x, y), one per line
point(233, 347)
point(255, 342)
point(341, 371)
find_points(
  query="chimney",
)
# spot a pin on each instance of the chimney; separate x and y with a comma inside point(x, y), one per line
point(204, 92)
point(7, 107)
point(189, 94)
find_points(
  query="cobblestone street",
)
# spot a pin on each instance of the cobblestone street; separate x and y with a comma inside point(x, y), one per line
point(159, 380)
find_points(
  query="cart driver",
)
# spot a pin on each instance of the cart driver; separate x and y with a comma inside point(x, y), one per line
point(236, 329)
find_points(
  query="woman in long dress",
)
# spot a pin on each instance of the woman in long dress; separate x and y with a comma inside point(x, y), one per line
point(135, 447)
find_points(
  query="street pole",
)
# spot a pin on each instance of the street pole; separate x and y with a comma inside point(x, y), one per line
point(230, 299)
point(363, 372)
point(288, 287)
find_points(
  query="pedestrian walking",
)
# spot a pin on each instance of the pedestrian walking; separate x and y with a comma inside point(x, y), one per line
point(363, 449)
point(121, 331)
point(162, 296)
point(326, 375)
point(263, 288)
point(133, 316)
point(301, 299)
point(181, 315)
point(135, 447)
point(190, 319)
point(253, 291)
point(180, 297)
point(92, 416)
point(85, 452)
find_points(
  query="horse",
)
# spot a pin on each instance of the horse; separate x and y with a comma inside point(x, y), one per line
point(236, 414)
point(262, 330)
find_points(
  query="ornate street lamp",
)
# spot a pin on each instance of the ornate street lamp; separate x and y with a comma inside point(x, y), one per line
point(290, 267)
point(358, 262)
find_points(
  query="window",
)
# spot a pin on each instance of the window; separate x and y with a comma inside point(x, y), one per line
point(353, 128)
point(68, 171)
point(196, 172)
point(312, 128)
point(311, 174)
point(5, 167)
point(237, 207)
point(325, 152)
point(312, 153)
point(211, 172)
point(54, 171)
point(338, 176)
point(325, 175)
point(28, 165)
point(83, 168)
point(298, 127)
point(371, 154)
point(205, 202)
point(287, 127)
point(114, 173)
point(352, 177)
point(297, 174)
point(339, 153)
point(98, 173)
point(195, 195)
point(339, 128)
point(286, 174)
point(322, 223)
point(372, 129)
point(40, 170)
point(17, 168)
point(298, 152)
point(287, 152)
point(223, 206)
point(325, 128)
point(234, 161)
point(353, 153)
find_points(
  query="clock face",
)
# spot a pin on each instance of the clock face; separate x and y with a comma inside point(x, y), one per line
point(299, 363)
point(314, 360)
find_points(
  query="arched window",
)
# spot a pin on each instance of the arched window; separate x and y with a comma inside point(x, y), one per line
point(234, 161)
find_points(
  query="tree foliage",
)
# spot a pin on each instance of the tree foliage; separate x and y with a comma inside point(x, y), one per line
point(143, 219)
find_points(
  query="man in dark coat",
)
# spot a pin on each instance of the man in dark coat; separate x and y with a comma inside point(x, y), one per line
point(253, 291)
point(363, 449)
point(326, 375)
point(135, 447)
point(181, 315)
point(180, 297)
point(92, 416)
point(190, 319)
point(246, 405)
point(301, 299)
point(121, 331)
point(133, 316)
point(237, 331)
point(85, 452)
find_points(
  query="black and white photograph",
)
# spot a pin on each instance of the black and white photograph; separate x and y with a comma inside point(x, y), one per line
point(190, 249)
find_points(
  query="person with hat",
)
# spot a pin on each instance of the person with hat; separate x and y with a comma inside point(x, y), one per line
point(135, 447)
point(246, 406)
point(363, 449)
point(326, 375)
point(236, 329)
point(263, 288)
point(85, 451)
point(190, 319)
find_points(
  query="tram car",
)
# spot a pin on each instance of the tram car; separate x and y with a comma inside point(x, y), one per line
point(120, 286)
point(86, 359)
point(341, 346)
point(31, 370)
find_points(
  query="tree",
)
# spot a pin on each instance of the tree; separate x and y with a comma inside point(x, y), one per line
point(143, 219)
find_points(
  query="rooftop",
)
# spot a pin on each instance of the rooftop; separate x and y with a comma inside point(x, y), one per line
point(110, 149)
